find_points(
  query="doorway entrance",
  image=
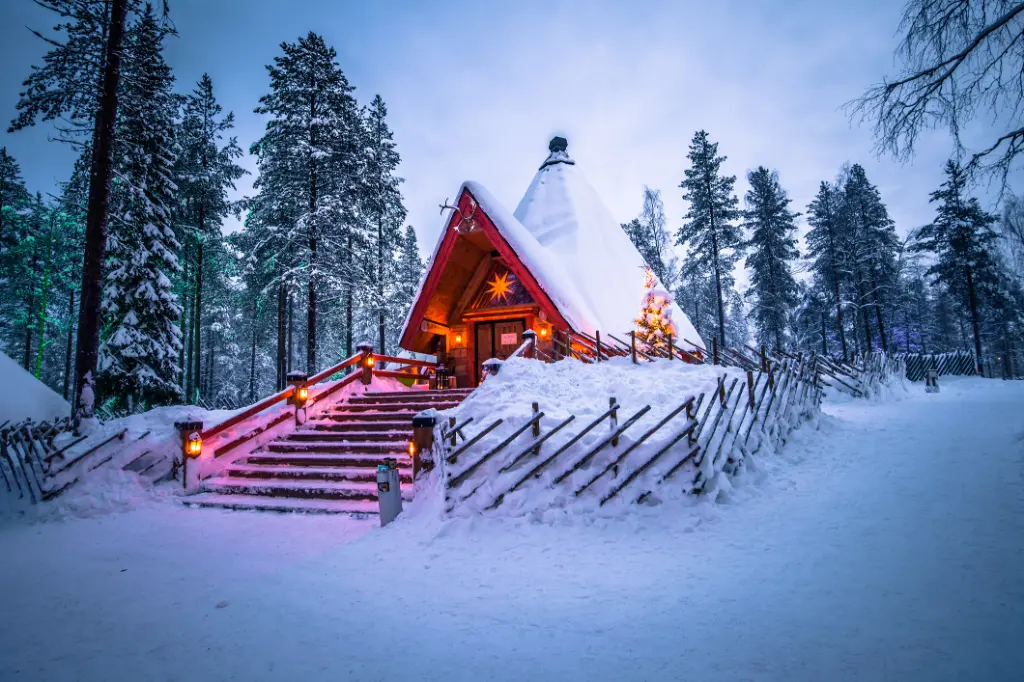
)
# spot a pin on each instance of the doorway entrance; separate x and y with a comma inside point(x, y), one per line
point(497, 339)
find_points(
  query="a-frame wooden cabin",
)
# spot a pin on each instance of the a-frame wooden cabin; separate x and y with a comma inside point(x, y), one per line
point(561, 262)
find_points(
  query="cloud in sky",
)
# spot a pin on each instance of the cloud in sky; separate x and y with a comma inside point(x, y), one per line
point(476, 89)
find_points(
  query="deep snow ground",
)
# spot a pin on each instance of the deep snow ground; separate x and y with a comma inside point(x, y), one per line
point(887, 545)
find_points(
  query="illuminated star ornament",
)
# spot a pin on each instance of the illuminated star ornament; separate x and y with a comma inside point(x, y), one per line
point(499, 287)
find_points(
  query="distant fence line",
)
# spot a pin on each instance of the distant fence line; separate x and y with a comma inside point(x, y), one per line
point(1008, 365)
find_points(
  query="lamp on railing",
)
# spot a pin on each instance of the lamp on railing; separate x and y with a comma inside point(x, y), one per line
point(366, 362)
point(300, 394)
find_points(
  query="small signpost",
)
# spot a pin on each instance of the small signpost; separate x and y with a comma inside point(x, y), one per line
point(931, 381)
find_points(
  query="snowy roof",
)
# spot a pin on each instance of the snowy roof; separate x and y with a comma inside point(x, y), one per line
point(570, 221)
point(25, 397)
point(579, 255)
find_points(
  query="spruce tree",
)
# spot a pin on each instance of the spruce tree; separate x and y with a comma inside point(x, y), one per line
point(308, 160)
point(962, 240)
point(772, 245)
point(714, 240)
point(381, 203)
point(825, 247)
point(869, 249)
point(409, 272)
point(205, 171)
point(141, 338)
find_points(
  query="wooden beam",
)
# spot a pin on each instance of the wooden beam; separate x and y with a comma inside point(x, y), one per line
point(431, 327)
point(471, 288)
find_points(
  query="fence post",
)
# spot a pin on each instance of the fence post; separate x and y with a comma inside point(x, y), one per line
point(750, 388)
point(422, 439)
point(536, 424)
point(670, 348)
point(191, 434)
point(721, 391)
point(632, 345)
point(451, 427)
point(771, 376)
point(531, 336)
point(714, 349)
point(597, 335)
point(613, 420)
point(764, 359)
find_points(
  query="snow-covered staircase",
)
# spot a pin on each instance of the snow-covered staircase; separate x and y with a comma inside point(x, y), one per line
point(329, 465)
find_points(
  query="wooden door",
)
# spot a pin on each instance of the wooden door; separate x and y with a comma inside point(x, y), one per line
point(507, 337)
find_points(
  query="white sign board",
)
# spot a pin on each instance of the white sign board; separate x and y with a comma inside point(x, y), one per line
point(510, 339)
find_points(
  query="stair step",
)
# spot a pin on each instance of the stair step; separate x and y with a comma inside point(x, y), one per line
point(310, 473)
point(357, 508)
point(342, 416)
point(331, 490)
point(347, 436)
point(313, 459)
point(412, 398)
point(454, 392)
point(416, 408)
point(388, 448)
point(331, 426)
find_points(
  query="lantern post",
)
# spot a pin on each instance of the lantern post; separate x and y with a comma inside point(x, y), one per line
point(191, 434)
point(366, 362)
point(300, 394)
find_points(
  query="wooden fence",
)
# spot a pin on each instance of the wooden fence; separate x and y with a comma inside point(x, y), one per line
point(39, 461)
point(629, 458)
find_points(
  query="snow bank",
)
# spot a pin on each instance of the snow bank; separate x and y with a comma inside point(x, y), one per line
point(729, 440)
point(25, 397)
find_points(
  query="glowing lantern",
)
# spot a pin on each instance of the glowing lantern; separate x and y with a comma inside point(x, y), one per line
point(458, 338)
point(412, 448)
point(194, 445)
point(370, 361)
point(543, 331)
point(301, 394)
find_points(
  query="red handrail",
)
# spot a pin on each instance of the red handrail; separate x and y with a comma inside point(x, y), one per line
point(242, 416)
point(404, 361)
point(344, 364)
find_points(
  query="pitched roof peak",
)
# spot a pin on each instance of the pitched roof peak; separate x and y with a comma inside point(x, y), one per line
point(558, 154)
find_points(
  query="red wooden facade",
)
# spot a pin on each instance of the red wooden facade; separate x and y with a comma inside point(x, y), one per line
point(478, 297)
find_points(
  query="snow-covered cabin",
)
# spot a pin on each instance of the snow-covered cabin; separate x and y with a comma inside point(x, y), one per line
point(560, 262)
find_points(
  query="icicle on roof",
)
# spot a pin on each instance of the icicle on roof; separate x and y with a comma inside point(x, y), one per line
point(566, 215)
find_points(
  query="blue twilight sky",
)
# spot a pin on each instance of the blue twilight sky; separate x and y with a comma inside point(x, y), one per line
point(476, 89)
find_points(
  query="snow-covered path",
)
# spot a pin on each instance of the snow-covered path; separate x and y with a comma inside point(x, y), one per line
point(888, 545)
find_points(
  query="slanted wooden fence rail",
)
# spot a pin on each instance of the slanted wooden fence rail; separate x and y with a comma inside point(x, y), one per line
point(602, 459)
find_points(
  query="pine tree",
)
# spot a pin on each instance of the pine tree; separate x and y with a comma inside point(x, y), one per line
point(714, 240)
point(869, 249)
point(80, 83)
point(15, 228)
point(141, 338)
point(825, 247)
point(308, 160)
point(962, 240)
point(409, 272)
point(381, 203)
point(204, 173)
point(772, 246)
point(737, 331)
point(654, 324)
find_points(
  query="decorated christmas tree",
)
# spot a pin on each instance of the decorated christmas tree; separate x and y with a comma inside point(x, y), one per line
point(654, 324)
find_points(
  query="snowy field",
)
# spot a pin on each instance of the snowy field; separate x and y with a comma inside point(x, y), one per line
point(886, 545)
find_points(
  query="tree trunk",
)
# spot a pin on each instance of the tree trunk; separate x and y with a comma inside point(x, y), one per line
point(210, 348)
point(252, 354)
point(291, 327)
point(864, 314)
point(30, 313)
point(98, 211)
point(839, 318)
point(348, 296)
point(972, 298)
point(281, 362)
point(313, 227)
point(878, 314)
point(197, 316)
point(380, 285)
point(44, 296)
point(67, 355)
point(824, 336)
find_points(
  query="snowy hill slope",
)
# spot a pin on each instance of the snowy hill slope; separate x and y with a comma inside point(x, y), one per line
point(25, 397)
